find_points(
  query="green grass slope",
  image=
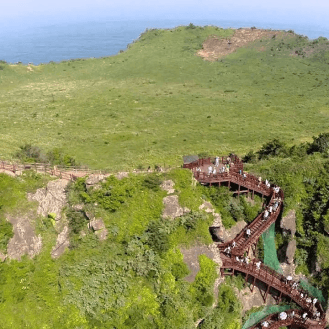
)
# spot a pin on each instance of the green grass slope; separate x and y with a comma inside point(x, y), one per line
point(158, 101)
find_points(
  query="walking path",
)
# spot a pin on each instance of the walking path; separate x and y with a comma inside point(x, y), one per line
point(234, 253)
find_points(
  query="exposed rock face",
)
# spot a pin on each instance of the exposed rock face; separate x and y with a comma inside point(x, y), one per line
point(94, 179)
point(24, 240)
point(102, 234)
point(51, 198)
point(234, 231)
point(191, 258)
point(122, 174)
point(290, 253)
point(168, 185)
point(61, 243)
point(217, 228)
point(78, 207)
point(253, 299)
point(7, 172)
point(97, 224)
point(172, 208)
point(289, 222)
point(207, 207)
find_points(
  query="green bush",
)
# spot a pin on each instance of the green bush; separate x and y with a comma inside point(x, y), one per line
point(320, 144)
point(272, 148)
point(152, 182)
point(6, 233)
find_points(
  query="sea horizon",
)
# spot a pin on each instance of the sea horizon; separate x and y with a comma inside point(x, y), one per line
point(44, 42)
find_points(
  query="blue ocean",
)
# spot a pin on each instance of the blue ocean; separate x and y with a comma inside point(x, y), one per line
point(44, 42)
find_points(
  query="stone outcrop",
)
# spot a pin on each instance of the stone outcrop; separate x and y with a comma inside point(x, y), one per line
point(234, 231)
point(51, 199)
point(62, 242)
point(191, 258)
point(168, 185)
point(24, 241)
point(97, 224)
point(217, 228)
point(288, 222)
point(102, 234)
point(290, 253)
point(94, 179)
point(172, 209)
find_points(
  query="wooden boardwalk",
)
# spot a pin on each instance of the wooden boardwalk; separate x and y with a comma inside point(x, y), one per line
point(229, 170)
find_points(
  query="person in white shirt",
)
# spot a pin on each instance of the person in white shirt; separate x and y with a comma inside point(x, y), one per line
point(265, 214)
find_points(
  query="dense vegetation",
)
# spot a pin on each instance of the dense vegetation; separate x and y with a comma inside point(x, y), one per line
point(134, 279)
point(158, 101)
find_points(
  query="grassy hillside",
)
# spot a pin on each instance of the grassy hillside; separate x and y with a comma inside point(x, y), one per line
point(158, 101)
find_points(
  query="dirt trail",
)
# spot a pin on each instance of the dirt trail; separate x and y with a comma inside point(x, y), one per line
point(215, 47)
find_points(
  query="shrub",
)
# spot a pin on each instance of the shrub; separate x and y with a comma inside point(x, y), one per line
point(272, 148)
point(179, 270)
point(320, 144)
point(6, 233)
point(77, 221)
point(191, 26)
point(250, 157)
point(157, 237)
point(152, 182)
point(30, 153)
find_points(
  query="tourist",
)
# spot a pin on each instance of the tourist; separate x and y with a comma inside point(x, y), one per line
point(233, 244)
point(259, 180)
point(283, 315)
point(265, 214)
point(295, 285)
point(292, 314)
point(244, 175)
point(270, 209)
point(209, 170)
point(308, 300)
point(314, 301)
point(214, 171)
point(288, 279)
point(275, 206)
point(217, 162)
point(305, 316)
point(247, 260)
point(248, 232)
point(258, 265)
point(228, 250)
point(265, 324)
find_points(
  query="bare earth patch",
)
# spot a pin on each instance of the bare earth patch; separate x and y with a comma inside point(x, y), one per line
point(24, 241)
point(215, 47)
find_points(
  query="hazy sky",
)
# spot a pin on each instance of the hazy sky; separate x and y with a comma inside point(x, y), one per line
point(279, 10)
